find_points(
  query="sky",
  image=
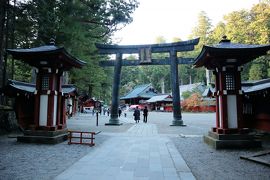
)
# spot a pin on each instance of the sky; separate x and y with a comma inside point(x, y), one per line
point(173, 18)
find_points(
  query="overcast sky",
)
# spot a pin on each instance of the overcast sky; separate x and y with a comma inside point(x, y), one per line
point(174, 18)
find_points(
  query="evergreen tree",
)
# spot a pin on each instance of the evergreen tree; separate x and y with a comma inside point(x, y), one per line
point(77, 25)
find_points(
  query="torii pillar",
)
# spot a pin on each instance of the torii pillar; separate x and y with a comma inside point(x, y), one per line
point(226, 60)
point(49, 113)
point(115, 91)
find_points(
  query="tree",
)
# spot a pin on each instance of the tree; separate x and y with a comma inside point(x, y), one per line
point(3, 10)
point(258, 70)
point(218, 32)
point(251, 27)
point(77, 25)
point(255, 72)
point(129, 77)
point(259, 28)
point(202, 29)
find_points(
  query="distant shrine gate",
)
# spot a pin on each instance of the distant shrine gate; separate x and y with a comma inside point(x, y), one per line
point(145, 58)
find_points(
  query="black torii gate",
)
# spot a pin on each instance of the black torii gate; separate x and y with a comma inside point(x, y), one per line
point(145, 52)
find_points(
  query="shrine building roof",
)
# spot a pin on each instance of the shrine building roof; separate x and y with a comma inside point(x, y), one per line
point(14, 87)
point(255, 86)
point(160, 98)
point(47, 56)
point(140, 91)
point(226, 53)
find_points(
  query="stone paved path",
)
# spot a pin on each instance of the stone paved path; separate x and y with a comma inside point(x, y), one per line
point(138, 154)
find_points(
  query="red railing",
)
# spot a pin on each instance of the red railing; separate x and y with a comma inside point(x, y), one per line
point(83, 137)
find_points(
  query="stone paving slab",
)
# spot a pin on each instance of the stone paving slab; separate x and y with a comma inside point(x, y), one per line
point(140, 153)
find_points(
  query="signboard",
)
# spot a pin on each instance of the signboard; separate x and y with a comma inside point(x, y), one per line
point(98, 106)
point(145, 55)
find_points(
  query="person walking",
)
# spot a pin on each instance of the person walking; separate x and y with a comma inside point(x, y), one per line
point(119, 112)
point(145, 114)
point(108, 111)
point(137, 114)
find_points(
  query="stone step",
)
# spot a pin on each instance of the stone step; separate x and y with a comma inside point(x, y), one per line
point(230, 136)
point(231, 143)
point(43, 139)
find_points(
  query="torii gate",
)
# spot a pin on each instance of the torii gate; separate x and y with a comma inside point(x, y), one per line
point(145, 58)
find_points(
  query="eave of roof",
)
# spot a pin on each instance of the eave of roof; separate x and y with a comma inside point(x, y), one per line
point(216, 56)
point(23, 87)
point(254, 86)
point(52, 54)
point(160, 98)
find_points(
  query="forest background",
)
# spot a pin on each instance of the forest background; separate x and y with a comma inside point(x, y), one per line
point(79, 24)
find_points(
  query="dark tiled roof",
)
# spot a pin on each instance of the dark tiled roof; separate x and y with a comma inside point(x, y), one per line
point(142, 91)
point(226, 52)
point(160, 98)
point(56, 56)
point(24, 87)
point(253, 86)
point(247, 87)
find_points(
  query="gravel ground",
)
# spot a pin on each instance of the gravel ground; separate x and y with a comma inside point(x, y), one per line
point(22, 161)
point(35, 161)
point(207, 163)
point(38, 161)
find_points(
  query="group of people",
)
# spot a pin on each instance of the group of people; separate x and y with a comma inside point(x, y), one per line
point(137, 114)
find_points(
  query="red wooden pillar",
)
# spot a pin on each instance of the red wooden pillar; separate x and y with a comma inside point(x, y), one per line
point(222, 100)
point(239, 93)
point(47, 96)
point(217, 102)
point(229, 114)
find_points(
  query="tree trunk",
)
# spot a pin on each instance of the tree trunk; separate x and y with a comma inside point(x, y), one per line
point(2, 35)
point(90, 90)
point(162, 85)
point(3, 11)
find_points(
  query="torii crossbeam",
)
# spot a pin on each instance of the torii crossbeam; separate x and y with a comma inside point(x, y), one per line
point(145, 58)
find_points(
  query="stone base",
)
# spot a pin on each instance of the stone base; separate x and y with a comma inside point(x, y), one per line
point(231, 141)
point(113, 122)
point(178, 123)
point(43, 137)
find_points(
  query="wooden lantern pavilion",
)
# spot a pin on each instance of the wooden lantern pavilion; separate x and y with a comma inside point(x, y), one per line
point(226, 60)
point(49, 113)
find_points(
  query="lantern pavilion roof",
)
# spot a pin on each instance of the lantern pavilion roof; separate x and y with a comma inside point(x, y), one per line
point(226, 53)
point(13, 88)
point(47, 56)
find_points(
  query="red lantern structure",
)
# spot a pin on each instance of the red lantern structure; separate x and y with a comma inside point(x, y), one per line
point(49, 110)
point(226, 60)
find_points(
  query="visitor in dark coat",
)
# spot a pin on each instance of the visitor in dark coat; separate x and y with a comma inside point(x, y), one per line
point(119, 112)
point(145, 114)
point(137, 115)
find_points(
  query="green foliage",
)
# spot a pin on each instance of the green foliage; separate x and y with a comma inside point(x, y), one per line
point(258, 69)
point(248, 27)
point(202, 30)
point(77, 25)
point(186, 94)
